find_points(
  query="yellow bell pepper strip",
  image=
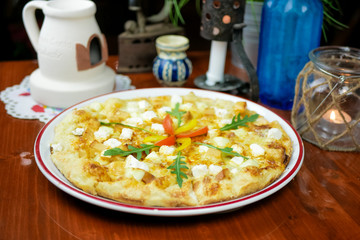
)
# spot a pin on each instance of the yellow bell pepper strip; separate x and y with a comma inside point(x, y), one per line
point(195, 133)
point(154, 138)
point(168, 125)
point(169, 141)
point(186, 127)
point(184, 143)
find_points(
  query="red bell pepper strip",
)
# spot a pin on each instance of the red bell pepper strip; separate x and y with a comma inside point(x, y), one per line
point(195, 133)
point(169, 141)
point(168, 125)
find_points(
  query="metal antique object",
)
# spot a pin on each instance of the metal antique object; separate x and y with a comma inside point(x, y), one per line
point(137, 43)
point(222, 22)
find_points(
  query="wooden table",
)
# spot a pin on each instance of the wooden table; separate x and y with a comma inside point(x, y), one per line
point(321, 202)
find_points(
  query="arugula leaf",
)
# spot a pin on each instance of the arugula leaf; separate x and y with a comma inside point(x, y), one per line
point(237, 121)
point(125, 125)
point(177, 165)
point(176, 113)
point(117, 151)
point(226, 150)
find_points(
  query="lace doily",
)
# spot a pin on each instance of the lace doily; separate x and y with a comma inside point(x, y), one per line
point(20, 104)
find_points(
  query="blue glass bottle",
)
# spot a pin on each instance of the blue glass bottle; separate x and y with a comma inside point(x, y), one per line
point(289, 30)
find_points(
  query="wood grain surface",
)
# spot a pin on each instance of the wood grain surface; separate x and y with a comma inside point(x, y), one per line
point(321, 202)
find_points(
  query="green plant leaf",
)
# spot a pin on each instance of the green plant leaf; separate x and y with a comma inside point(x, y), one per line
point(237, 122)
point(177, 167)
point(226, 150)
point(330, 8)
point(132, 150)
point(176, 113)
point(175, 11)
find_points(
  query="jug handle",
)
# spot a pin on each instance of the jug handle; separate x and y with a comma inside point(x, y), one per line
point(30, 23)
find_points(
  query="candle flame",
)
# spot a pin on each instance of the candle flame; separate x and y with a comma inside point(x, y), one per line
point(332, 116)
point(337, 117)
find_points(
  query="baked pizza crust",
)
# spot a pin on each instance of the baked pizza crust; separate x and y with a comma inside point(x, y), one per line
point(78, 152)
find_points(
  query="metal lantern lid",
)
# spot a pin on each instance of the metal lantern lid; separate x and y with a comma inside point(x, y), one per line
point(219, 17)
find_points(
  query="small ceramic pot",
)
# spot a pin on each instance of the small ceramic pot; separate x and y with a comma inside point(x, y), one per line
point(171, 67)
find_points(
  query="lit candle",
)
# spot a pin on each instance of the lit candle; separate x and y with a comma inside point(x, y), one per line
point(332, 123)
point(334, 116)
point(215, 74)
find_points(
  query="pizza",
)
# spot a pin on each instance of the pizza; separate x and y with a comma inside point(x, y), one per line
point(169, 151)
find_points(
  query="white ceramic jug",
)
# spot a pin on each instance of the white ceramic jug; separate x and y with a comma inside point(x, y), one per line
point(71, 52)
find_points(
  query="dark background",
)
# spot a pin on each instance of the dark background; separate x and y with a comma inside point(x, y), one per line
point(112, 14)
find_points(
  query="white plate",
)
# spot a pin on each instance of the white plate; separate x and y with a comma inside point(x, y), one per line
point(46, 166)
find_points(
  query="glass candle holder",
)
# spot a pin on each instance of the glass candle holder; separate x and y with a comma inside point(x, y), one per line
point(326, 110)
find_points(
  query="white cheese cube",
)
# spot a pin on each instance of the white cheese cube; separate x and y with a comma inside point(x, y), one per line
point(241, 132)
point(96, 106)
point(166, 150)
point(126, 134)
point(148, 115)
point(223, 122)
point(221, 142)
point(163, 111)
point(213, 133)
point(201, 105)
point(220, 112)
point(132, 162)
point(134, 121)
point(249, 163)
point(203, 149)
point(153, 156)
point(143, 104)
point(186, 106)
point(171, 158)
point(274, 133)
point(257, 150)
point(237, 148)
point(261, 121)
point(57, 147)
point(176, 99)
point(132, 104)
point(112, 143)
point(132, 108)
point(137, 174)
point(199, 170)
point(103, 133)
point(193, 196)
point(214, 169)
point(237, 160)
point(99, 160)
point(78, 131)
point(158, 128)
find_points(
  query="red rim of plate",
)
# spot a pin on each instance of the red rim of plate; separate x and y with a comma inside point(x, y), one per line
point(165, 211)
